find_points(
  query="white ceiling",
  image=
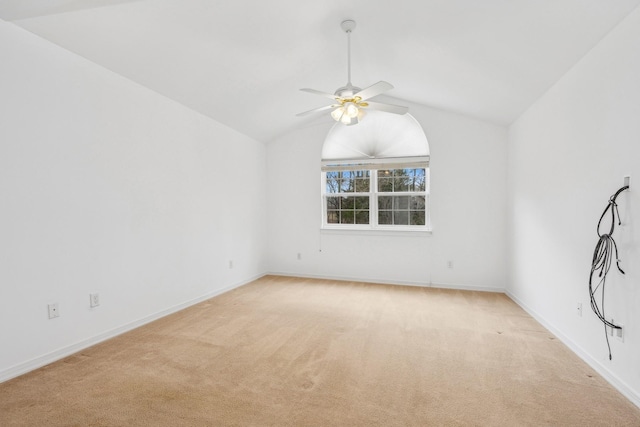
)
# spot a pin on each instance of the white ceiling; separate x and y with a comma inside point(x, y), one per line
point(242, 62)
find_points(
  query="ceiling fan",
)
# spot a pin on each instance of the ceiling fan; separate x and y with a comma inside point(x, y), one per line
point(350, 101)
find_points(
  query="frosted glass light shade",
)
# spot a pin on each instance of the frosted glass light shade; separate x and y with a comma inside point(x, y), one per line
point(337, 113)
point(351, 110)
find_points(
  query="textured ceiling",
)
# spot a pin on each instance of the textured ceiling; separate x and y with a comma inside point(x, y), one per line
point(242, 62)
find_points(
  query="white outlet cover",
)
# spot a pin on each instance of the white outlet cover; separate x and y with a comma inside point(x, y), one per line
point(53, 310)
point(94, 300)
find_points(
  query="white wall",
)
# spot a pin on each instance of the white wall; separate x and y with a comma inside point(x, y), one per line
point(468, 186)
point(567, 154)
point(108, 187)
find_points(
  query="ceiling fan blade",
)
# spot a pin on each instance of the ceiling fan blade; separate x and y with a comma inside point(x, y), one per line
point(374, 89)
point(317, 92)
point(315, 110)
point(389, 108)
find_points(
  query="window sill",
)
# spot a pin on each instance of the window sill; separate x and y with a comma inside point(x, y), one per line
point(409, 232)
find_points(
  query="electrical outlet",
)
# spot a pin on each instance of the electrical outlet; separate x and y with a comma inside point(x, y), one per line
point(579, 309)
point(299, 256)
point(53, 310)
point(94, 300)
point(615, 332)
point(449, 264)
point(230, 264)
point(626, 180)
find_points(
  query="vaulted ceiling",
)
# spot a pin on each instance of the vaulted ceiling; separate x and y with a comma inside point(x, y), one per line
point(242, 62)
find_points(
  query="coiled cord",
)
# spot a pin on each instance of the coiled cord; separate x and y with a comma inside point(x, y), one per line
point(603, 254)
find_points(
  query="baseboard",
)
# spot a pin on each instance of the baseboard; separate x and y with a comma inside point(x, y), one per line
point(597, 366)
point(54, 356)
point(461, 287)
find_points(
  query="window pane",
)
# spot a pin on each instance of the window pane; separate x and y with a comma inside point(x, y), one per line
point(333, 217)
point(333, 203)
point(347, 217)
point(385, 202)
point(347, 185)
point(400, 217)
point(333, 184)
point(362, 217)
point(361, 202)
point(385, 184)
point(385, 217)
point(401, 202)
point(419, 180)
point(347, 203)
point(401, 181)
point(417, 218)
point(362, 185)
point(417, 203)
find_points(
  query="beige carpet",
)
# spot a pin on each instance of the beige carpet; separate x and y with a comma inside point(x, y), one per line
point(299, 352)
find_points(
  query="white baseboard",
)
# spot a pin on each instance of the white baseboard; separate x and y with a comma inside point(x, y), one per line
point(597, 366)
point(393, 282)
point(54, 356)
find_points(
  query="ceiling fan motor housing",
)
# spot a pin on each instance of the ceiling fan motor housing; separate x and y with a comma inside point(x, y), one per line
point(347, 91)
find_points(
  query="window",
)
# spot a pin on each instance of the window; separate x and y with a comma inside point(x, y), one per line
point(375, 176)
point(348, 195)
point(402, 196)
point(376, 196)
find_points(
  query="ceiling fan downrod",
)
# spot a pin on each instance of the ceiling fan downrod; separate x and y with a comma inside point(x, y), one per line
point(348, 26)
point(349, 89)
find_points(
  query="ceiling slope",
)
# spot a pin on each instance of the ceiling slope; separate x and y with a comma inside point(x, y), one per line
point(243, 62)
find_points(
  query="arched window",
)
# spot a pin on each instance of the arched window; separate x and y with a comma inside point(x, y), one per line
point(375, 175)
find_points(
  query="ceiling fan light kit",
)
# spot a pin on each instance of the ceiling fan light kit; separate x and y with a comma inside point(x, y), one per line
point(350, 100)
point(348, 113)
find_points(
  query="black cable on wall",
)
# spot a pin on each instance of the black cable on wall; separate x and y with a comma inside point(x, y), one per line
point(603, 254)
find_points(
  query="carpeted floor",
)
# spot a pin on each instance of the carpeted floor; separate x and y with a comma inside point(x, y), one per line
point(300, 352)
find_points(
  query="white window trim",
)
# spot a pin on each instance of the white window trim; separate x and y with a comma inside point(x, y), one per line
point(373, 198)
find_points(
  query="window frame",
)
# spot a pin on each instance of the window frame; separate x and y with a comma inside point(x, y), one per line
point(374, 167)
